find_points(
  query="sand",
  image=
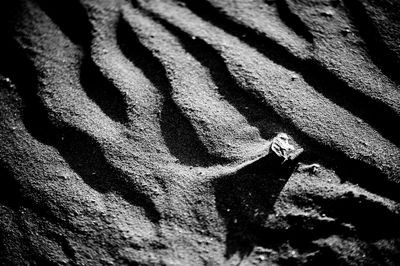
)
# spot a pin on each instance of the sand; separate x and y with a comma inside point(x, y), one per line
point(138, 132)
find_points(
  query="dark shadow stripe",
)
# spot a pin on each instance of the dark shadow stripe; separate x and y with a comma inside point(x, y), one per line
point(379, 52)
point(368, 176)
point(372, 111)
point(178, 133)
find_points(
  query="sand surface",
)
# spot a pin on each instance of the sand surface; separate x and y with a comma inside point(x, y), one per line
point(137, 132)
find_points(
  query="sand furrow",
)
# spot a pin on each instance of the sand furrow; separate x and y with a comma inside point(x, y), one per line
point(141, 98)
point(263, 18)
point(43, 226)
point(382, 51)
point(309, 111)
point(316, 65)
point(87, 132)
point(195, 95)
point(376, 89)
point(345, 56)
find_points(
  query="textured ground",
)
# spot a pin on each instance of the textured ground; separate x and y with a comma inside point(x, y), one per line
point(134, 132)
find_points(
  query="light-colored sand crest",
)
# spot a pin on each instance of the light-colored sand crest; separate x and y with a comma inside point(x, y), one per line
point(309, 110)
point(220, 127)
point(343, 56)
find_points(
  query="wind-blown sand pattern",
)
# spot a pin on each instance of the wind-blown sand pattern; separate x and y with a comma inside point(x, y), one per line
point(137, 132)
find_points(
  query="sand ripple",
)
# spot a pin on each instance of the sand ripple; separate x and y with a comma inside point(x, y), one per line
point(136, 132)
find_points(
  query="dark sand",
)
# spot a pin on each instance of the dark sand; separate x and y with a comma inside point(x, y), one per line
point(136, 132)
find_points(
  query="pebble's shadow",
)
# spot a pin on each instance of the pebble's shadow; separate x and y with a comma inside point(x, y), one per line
point(246, 198)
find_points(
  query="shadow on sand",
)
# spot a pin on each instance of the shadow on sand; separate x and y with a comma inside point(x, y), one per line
point(245, 200)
